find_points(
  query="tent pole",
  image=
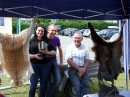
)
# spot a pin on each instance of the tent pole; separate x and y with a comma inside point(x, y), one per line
point(126, 51)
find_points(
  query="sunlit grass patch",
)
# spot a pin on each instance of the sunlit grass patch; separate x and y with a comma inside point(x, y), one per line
point(23, 91)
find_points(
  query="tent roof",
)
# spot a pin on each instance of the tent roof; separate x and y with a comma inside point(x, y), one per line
point(66, 9)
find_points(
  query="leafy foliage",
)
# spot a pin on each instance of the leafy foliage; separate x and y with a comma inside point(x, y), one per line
point(80, 24)
point(25, 25)
point(45, 22)
point(15, 25)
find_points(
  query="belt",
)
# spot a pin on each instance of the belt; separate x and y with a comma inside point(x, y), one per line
point(81, 66)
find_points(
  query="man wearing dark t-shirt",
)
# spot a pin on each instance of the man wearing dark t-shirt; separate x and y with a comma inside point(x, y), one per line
point(55, 70)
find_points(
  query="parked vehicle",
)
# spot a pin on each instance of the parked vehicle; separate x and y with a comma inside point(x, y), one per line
point(113, 27)
point(97, 30)
point(61, 32)
point(108, 33)
point(75, 29)
point(114, 37)
point(81, 31)
point(87, 32)
point(67, 31)
point(58, 28)
point(100, 33)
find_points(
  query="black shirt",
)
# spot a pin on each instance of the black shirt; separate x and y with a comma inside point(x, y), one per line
point(33, 49)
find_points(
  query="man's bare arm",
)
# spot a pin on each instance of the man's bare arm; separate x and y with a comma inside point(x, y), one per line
point(72, 64)
point(60, 54)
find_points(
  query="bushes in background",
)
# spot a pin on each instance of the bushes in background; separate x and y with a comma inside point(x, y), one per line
point(83, 24)
point(80, 24)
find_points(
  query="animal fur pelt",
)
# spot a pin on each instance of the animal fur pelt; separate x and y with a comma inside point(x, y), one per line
point(108, 55)
point(14, 51)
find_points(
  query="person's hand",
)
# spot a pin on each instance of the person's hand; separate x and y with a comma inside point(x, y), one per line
point(80, 74)
point(37, 56)
point(82, 70)
point(61, 65)
point(44, 51)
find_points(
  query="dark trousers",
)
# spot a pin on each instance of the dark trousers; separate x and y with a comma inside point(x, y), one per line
point(52, 87)
point(40, 71)
point(81, 84)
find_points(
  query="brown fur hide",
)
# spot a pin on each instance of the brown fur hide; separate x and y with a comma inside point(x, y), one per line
point(107, 54)
point(15, 59)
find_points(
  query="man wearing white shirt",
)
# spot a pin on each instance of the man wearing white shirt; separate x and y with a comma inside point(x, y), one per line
point(77, 56)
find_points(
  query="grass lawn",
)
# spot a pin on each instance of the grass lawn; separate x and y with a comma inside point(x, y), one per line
point(23, 91)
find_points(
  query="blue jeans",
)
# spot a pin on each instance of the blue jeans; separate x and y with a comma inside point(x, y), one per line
point(40, 71)
point(52, 87)
point(81, 85)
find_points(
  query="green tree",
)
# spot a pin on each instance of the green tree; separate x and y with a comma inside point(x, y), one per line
point(25, 25)
point(83, 24)
point(80, 24)
point(45, 22)
point(22, 23)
